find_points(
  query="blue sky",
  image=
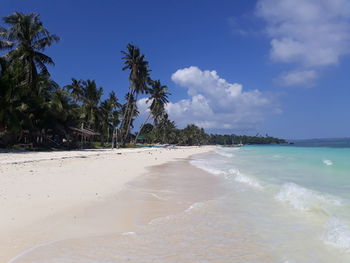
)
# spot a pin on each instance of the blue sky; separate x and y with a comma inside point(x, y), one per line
point(269, 66)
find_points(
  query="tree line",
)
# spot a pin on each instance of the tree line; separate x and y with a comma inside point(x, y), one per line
point(34, 109)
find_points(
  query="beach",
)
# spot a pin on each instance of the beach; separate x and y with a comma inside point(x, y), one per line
point(189, 204)
point(50, 196)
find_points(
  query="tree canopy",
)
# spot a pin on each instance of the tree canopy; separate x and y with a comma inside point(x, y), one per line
point(35, 110)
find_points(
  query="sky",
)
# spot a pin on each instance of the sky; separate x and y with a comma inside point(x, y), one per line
point(277, 67)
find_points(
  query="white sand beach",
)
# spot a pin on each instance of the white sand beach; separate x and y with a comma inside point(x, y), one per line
point(48, 196)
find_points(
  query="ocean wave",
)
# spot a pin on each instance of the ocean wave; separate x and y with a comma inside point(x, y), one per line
point(277, 157)
point(157, 196)
point(128, 233)
point(160, 220)
point(225, 154)
point(202, 164)
point(195, 206)
point(328, 162)
point(338, 234)
point(304, 199)
point(241, 178)
point(231, 174)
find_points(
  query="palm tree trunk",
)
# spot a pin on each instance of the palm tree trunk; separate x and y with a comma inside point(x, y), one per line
point(124, 117)
point(143, 124)
point(129, 122)
point(107, 132)
point(130, 117)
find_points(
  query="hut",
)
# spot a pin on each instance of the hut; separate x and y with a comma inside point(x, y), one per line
point(83, 135)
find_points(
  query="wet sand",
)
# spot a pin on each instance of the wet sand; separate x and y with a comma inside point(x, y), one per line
point(51, 199)
point(165, 190)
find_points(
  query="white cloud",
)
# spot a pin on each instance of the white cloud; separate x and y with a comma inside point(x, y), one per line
point(214, 103)
point(297, 78)
point(309, 33)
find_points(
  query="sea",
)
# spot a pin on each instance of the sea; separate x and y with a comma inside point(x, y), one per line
point(274, 203)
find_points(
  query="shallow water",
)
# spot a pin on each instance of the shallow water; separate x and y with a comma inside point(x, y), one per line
point(260, 204)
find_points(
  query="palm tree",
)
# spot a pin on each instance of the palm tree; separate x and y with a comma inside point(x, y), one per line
point(26, 38)
point(165, 132)
point(130, 111)
point(91, 96)
point(9, 100)
point(138, 78)
point(109, 112)
point(75, 89)
point(159, 97)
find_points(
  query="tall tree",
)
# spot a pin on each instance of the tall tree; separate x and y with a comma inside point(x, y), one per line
point(135, 62)
point(158, 98)
point(26, 38)
point(91, 97)
point(130, 111)
point(110, 114)
point(75, 89)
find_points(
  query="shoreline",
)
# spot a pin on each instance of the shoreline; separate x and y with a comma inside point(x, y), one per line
point(55, 197)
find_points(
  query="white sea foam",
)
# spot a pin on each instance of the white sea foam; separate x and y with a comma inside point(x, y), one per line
point(157, 196)
point(231, 174)
point(160, 220)
point(304, 199)
point(206, 167)
point(225, 154)
point(195, 206)
point(128, 233)
point(241, 178)
point(338, 234)
point(328, 162)
point(276, 156)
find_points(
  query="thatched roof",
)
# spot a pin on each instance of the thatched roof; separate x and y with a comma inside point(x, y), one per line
point(85, 132)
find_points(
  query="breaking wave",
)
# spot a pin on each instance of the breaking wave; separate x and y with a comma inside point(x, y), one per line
point(195, 206)
point(304, 199)
point(201, 164)
point(338, 234)
point(232, 174)
point(225, 154)
point(328, 162)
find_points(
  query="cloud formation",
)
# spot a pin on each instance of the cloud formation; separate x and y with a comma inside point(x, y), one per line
point(216, 104)
point(297, 78)
point(309, 33)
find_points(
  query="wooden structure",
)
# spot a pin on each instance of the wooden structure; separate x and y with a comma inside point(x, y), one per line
point(84, 135)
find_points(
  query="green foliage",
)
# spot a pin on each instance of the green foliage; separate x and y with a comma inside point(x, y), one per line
point(36, 111)
point(135, 62)
point(243, 139)
point(26, 38)
point(193, 135)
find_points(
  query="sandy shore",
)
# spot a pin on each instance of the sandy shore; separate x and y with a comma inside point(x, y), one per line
point(50, 196)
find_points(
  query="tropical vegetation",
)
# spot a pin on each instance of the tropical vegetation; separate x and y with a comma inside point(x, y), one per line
point(36, 111)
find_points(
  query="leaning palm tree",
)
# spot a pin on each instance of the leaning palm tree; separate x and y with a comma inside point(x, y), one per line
point(26, 38)
point(158, 98)
point(138, 78)
point(130, 111)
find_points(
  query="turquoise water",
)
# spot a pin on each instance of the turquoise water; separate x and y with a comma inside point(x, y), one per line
point(313, 183)
point(281, 204)
point(322, 169)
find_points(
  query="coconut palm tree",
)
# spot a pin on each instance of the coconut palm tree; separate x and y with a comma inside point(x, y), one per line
point(26, 38)
point(109, 110)
point(130, 111)
point(158, 98)
point(91, 96)
point(165, 132)
point(135, 62)
point(75, 89)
